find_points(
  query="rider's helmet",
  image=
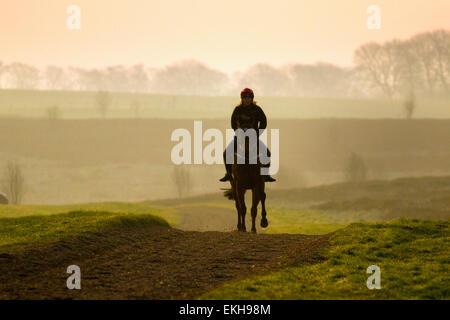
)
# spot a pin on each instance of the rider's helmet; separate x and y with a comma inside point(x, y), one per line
point(247, 92)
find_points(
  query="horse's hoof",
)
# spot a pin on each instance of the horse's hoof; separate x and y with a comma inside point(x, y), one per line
point(254, 231)
point(264, 223)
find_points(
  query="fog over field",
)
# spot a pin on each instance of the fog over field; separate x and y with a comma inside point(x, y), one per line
point(76, 161)
point(103, 133)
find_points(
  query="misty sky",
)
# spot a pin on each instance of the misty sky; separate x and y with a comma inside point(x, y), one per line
point(227, 35)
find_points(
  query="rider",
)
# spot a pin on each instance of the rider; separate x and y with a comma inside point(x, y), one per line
point(247, 107)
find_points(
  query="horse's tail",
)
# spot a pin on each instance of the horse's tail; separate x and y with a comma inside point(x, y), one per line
point(228, 193)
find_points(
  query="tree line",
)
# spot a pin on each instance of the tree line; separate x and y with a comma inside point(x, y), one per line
point(418, 66)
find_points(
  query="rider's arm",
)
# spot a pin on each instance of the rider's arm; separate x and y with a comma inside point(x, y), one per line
point(262, 119)
point(234, 120)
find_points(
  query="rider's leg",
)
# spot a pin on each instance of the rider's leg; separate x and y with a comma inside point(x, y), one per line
point(230, 150)
point(264, 155)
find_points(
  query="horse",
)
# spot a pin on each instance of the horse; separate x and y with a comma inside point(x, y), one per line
point(244, 177)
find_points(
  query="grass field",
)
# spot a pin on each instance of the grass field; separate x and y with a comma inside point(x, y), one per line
point(402, 226)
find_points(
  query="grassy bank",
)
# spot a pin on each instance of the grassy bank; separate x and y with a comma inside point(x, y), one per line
point(22, 226)
point(413, 256)
point(11, 211)
point(18, 233)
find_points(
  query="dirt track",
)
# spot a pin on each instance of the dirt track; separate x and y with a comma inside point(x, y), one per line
point(150, 263)
point(207, 218)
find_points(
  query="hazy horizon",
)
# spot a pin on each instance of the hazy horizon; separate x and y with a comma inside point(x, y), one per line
point(219, 35)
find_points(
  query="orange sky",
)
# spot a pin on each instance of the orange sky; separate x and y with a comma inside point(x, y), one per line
point(227, 35)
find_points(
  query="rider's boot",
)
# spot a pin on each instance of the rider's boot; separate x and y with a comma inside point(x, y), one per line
point(227, 176)
point(268, 178)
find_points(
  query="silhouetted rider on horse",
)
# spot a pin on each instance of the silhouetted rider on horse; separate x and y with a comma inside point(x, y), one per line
point(249, 108)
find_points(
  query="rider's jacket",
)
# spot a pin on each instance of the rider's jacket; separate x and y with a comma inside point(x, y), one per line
point(254, 111)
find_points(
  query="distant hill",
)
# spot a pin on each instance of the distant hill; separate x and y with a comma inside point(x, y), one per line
point(82, 105)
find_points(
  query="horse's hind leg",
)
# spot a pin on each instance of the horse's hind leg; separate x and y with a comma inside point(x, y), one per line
point(264, 222)
point(243, 209)
point(256, 196)
point(236, 202)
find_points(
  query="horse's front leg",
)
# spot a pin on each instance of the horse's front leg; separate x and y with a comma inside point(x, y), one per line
point(239, 225)
point(255, 201)
point(240, 203)
point(244, 212)
point(236, 202)
point(264, 222)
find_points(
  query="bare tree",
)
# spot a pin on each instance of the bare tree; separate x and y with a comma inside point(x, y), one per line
point(319, 80)
point(103, 100)
point(14, 182)
point(138, 78)
point(410, 73)
point(381, 65)
point(22, 76)
point(135, 107)
point(56, 78)
point(182, 179)
point(441, 46)
point(116, 79)
point(265, 80)
point(355, 169)
point(189, 77)
point(410, 106)
point(91, 80)
point(53, 112)
point(112, 78)
point(422, 49)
